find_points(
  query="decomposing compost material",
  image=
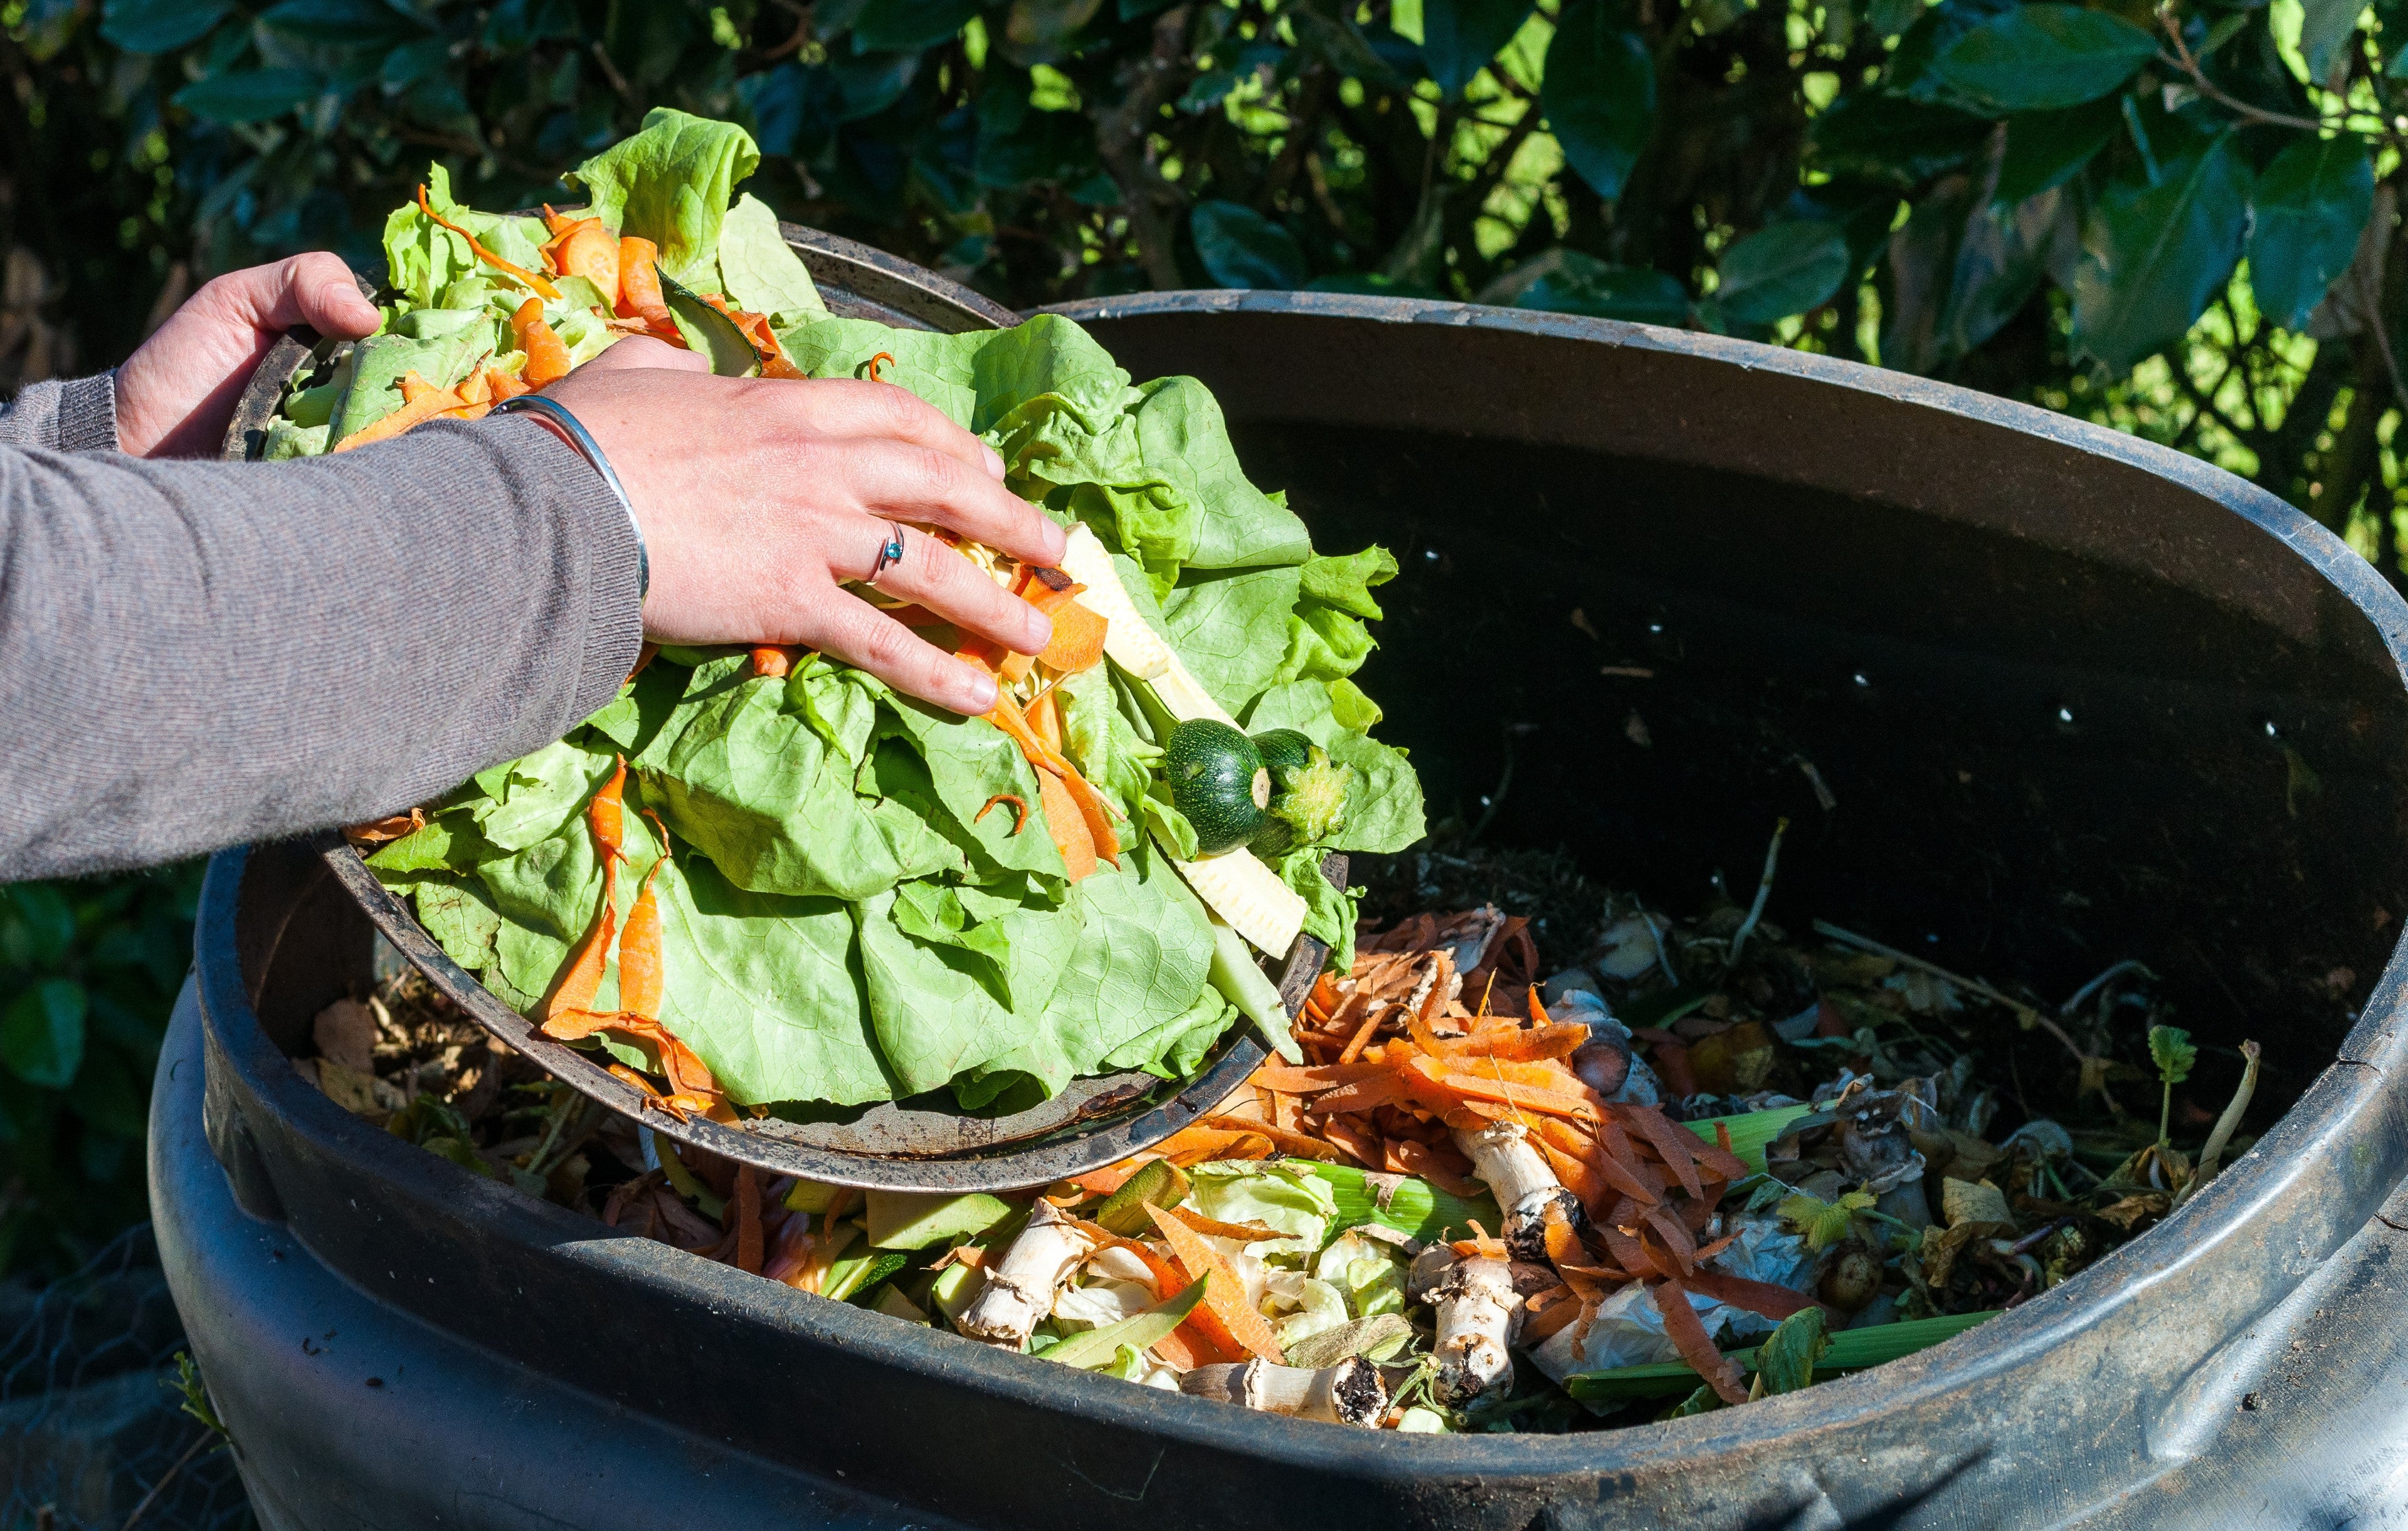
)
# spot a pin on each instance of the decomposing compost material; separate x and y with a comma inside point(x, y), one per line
point(763, 878)
point(1653, 1167)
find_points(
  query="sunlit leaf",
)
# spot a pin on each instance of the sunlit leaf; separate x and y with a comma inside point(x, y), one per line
point(2154, 255)
point(1599, 95)
point(2039, 57)
point(1241, 248)
point(1782, 270)
point(2307, 211)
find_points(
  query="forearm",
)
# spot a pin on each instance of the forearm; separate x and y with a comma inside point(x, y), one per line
point(193, 654)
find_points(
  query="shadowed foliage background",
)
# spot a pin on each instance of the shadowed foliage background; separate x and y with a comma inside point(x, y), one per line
point(2182, 224)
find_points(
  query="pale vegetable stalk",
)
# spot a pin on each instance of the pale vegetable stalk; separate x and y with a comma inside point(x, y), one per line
point(1242, 983)
point(2226, 1125)
point(1477, 1314)
point(1523, 1182)
point(1349, 1393)
point(1021, 1287)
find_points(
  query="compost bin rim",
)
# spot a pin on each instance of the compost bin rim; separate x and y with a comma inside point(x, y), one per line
point(2324, 552)
point(2301, 1163)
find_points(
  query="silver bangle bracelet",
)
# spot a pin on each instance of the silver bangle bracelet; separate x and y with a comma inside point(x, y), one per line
point(582, 439)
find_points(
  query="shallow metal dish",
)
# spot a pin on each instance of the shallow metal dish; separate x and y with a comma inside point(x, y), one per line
point(896, 1145)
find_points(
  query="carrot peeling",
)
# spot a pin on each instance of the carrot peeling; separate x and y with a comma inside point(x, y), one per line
point(1019, 809)
point(532, 279)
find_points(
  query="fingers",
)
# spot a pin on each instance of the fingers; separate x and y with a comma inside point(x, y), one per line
point(633, 352)
point(327, 297)
point(855, 632)
point(905, 482)
point(847, 407)
point(941, 579)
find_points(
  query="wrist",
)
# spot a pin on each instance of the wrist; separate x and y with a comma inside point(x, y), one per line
point(556, 418)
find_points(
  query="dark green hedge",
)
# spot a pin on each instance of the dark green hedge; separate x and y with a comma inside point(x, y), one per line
point(2047, 201)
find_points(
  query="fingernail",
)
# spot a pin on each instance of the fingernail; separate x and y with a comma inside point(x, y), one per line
point(994, 461)
point(1037, 632)
point(978, 693)
point(1056, 540)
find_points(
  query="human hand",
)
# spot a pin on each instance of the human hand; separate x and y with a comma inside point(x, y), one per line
point(758, 498)
point(175, 394)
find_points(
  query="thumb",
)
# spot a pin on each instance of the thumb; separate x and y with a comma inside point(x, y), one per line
point(316, 290)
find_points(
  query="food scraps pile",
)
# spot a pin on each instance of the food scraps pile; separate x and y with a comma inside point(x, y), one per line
point(1697, 1162)
point(764, 880)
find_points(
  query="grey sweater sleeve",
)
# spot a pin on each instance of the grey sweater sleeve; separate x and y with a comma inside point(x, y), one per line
point(195, 654)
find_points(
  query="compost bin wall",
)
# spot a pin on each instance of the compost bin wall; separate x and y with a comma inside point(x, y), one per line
point(1789, 522)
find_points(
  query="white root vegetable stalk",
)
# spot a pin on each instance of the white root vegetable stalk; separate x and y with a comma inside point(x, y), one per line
point(1021, 1287)
point(1349, 1393)
point(1525, 1183)
point(1478, 1313)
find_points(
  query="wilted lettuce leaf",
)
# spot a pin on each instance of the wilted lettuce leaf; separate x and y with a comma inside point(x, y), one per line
point(759, 272)
point(1142, 947)
point(1217, 619)
point(753, 787)
point(670, 183)
point(761, 987)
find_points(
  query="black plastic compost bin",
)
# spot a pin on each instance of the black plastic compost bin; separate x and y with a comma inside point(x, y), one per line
point(2073, 698)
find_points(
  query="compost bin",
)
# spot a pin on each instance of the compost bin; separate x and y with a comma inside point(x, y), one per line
point(2038, 697)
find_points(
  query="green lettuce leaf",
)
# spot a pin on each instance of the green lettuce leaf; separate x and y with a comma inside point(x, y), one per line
point(1142, 947)
point(763, 989)
point(759, 272)
point(422, 258)
point(1216, 620)
point(775, 805)
point(670, 183)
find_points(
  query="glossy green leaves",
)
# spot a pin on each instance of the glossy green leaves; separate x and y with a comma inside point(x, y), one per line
point(2153, 255)
point(1599, 95)
point(1241, 248)
point(2308, 209)
point(2042, 56)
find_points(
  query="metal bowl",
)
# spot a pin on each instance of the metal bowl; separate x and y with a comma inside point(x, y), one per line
point(894, 1144)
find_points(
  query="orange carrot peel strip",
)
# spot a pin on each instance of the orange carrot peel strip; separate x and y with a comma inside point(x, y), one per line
point(1019, 810)
point(430, 402)
point(886, 356)
point(547, 358)
point(639, 290)
point(1688, 1335)
point(533, 279)
point(1225, 1294)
